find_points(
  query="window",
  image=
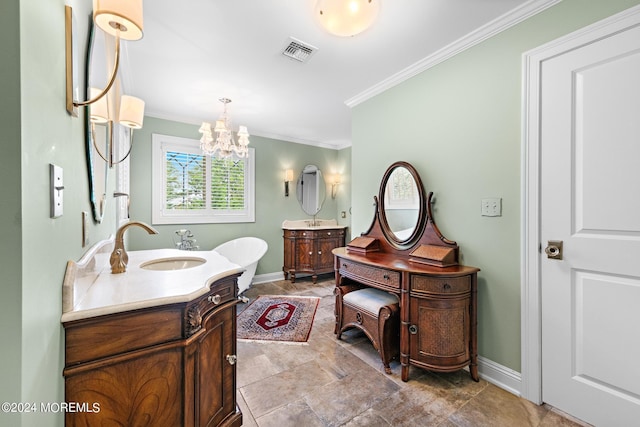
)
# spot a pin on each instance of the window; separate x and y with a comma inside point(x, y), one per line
point(190, 187)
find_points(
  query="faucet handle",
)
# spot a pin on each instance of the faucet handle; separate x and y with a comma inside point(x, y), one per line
point(118, 261)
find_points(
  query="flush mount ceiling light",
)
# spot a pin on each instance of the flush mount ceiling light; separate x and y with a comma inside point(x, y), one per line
point(347, 18)
point(224, 143)
point(121, 19)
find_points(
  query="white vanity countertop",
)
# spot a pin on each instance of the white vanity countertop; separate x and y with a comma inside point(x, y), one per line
point(140, 288)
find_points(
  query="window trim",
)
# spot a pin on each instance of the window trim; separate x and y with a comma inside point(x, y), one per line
point(162, 143)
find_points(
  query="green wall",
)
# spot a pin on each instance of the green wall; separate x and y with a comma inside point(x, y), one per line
point(37, 131)
point(459, 124)
point(10, 214)
point(272, 157)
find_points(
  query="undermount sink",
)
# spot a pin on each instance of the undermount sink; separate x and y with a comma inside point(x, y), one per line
point(177, 263)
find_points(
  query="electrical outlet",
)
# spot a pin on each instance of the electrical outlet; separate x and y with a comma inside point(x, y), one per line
point(492, 207)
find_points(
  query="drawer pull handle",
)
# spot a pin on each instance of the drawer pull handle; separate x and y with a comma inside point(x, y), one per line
point(413, 329)
point(232, 358)
point(310, 253)
point(344, 266)
point(214, 299)
point(319, 252)
point(447, 287)
point(329, 234)
point(386, 277)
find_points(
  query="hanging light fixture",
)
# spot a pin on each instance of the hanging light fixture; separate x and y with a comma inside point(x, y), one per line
point(223, 141)
point(347, 18)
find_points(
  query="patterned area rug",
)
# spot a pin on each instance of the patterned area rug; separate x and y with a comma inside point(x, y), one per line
point(278, 318)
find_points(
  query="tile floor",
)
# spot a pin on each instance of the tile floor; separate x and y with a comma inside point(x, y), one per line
point(342, 383)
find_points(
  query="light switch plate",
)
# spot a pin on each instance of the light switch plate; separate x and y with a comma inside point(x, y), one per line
point(85, 228)
point(492, 207)
point(57, 186)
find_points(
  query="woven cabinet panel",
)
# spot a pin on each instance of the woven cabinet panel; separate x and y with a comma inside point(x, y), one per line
point(442, 332)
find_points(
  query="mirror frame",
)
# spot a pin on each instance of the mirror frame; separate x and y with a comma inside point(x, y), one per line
point(423, 215)
point(322, 190)
point(97, 196)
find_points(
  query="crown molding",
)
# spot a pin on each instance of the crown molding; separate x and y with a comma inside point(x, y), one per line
point(503, 22)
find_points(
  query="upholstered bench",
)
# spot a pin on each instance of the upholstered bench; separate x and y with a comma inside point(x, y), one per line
point(374, 312)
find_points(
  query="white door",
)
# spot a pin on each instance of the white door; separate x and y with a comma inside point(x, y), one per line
point(590, 200)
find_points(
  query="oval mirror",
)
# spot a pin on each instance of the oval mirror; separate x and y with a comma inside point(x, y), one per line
point(311, 189)
point(402, 205)
point(97, 132)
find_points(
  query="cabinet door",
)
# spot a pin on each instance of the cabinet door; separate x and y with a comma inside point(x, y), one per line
point(215, 374)
point(325, 257)
point(439, 334)
point(140, 391)
point(305, 254)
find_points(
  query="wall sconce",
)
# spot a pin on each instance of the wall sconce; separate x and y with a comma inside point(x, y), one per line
point(288, 177)
point(121, 19)
point(334, 185)
point(131, 115)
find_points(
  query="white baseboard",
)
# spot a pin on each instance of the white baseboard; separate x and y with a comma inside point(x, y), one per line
point(499, 375)
point(268, 277)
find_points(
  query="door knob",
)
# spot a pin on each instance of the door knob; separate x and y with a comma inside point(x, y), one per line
point(554, 249)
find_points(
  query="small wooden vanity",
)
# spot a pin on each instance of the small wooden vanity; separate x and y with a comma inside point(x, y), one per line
point(308, 249)
point(438, 297)
point(167, 362)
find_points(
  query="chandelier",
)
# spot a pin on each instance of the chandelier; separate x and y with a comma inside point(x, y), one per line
point(223, 141)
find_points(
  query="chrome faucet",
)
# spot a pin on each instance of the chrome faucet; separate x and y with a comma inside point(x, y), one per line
point(119, 258)
point(187, 242)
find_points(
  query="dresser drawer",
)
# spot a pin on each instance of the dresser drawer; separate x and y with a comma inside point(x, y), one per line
point(300, 234)
point(221, 292)
point(327, 234)
point(437, 285)
point(367, 274)
point(314, 234)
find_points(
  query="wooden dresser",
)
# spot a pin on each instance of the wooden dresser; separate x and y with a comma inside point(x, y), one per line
point(438, 320)
point(413, 260)
point(308, 250)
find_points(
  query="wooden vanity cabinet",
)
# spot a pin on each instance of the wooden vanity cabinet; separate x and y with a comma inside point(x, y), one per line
point(170, 365)
point(309, 251)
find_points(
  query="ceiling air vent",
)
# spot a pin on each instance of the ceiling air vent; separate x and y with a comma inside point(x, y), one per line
point(298, 50)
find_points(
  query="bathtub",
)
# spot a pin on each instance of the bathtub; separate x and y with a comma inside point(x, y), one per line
point(246, 252)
